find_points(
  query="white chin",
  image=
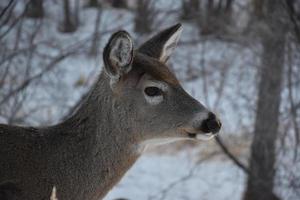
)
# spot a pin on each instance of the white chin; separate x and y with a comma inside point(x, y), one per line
point(205, 137)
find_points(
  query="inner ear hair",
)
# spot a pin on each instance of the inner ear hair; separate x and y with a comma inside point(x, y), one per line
point(118, 54)
point(161, 45)
point(170, 45)
point(121, 53)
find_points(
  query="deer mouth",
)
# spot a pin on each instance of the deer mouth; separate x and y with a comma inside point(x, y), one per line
point(194, 134)
point(201, 136)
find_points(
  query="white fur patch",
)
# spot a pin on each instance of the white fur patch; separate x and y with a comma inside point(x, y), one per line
point(170, 45)
point(161, 141)
point(157, 141)
point(53, 194)
point(155, 99)
point(205, 137)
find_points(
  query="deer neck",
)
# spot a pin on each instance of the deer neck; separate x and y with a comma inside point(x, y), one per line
point(103, 138)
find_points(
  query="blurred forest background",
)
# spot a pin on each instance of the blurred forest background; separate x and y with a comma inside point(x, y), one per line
point(240, 58)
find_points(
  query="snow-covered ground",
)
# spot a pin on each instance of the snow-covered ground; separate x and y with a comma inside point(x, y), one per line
point(179, 177)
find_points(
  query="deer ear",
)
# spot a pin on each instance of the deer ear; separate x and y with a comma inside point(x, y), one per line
point(163, 44)
point(118, 55)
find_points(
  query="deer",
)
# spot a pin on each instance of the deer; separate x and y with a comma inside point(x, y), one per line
point(136, 101)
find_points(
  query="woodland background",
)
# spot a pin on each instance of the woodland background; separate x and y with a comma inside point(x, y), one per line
point(240, 58)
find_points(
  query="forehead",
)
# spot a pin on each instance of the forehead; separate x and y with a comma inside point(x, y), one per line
point(154, 68)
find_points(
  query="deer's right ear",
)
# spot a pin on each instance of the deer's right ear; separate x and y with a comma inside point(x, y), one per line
point(162, 44)
point(118, 55)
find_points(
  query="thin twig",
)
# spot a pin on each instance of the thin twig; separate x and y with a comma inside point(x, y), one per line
point(292, 15)
point(27, 82)
point(231, 156)
point(6, 8)
point(163, 193)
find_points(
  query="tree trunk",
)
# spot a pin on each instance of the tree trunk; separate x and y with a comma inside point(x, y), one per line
point(144, 17)
point(77, 12)
point(263, 149)
point(228, 6)
point(215, 17)
point(190, 9)
point(119, 3)
point(69, 24)
point(93, 3)
point(96, 37)
point(258, 7)
point(35, 9)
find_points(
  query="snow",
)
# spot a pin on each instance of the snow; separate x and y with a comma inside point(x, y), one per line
point(179, 177)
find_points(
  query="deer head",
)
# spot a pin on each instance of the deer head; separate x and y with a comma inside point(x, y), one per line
point(140, 79)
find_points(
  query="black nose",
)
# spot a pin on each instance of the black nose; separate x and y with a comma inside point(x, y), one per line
point(211, 124)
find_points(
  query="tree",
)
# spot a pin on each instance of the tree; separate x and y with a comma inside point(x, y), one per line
point(190, 9)
point(35, 9)
point(69, 22)
point(119, 3)
point(215, 16)
point(93, 3)
point(260, 183)
point(144, 17)
point(96, 36)
point(77, 12)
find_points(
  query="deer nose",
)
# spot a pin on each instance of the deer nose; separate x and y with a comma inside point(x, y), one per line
point(211, 125)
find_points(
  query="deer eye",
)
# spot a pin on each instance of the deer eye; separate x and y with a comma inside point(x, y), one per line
point(153, 91)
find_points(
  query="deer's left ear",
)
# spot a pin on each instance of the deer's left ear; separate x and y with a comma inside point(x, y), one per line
point(118, 55)
point(162, 45)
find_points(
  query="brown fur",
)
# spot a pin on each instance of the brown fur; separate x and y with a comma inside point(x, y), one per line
point(155, 68)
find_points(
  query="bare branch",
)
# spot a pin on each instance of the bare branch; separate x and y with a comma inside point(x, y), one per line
point(231, 156)
point(26, 83)
point(6, 8)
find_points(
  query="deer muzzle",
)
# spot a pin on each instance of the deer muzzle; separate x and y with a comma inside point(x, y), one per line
point(211, 125)
point(204, 128)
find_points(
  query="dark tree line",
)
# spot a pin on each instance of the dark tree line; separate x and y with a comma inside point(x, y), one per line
point(70, 10)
